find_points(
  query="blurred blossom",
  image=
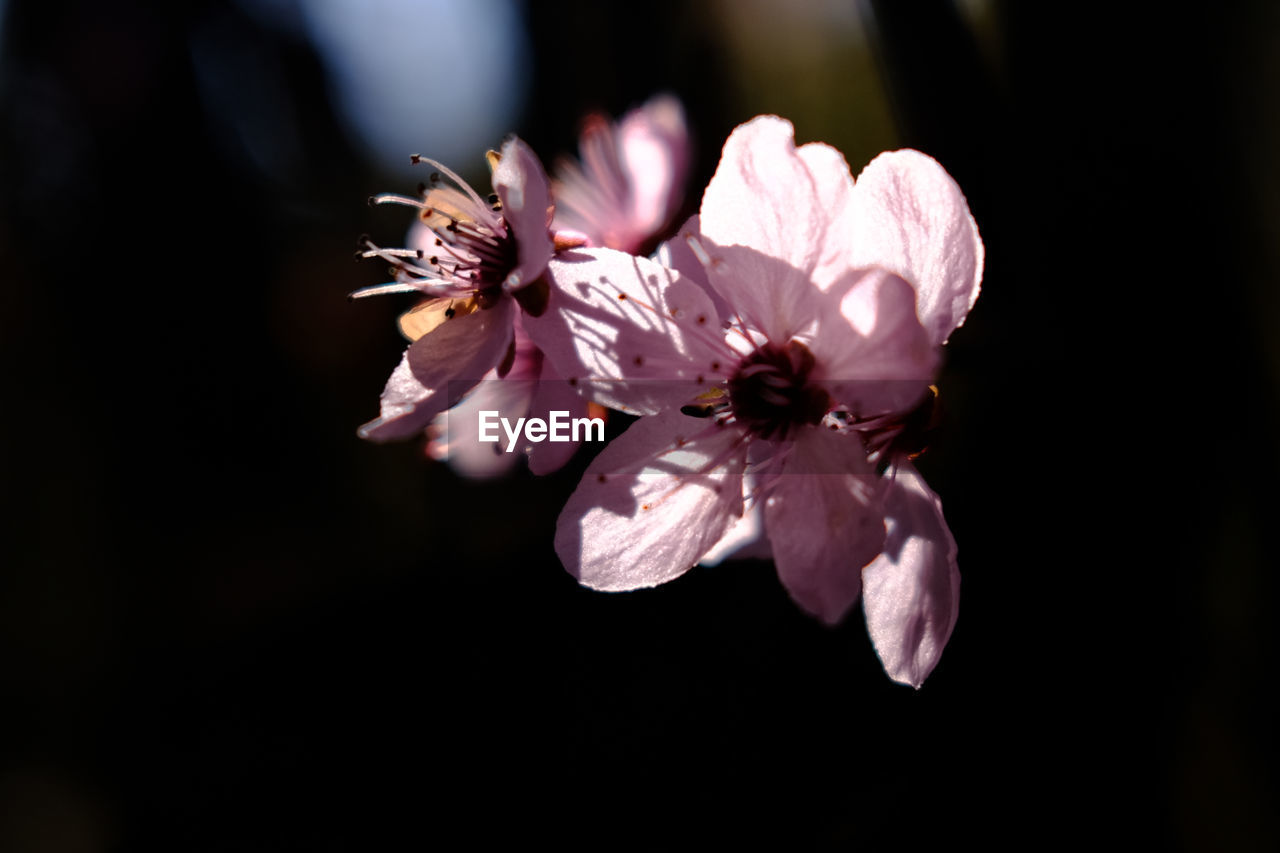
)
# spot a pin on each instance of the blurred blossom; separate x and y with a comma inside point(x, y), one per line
point(422, 75)
point(630, 181)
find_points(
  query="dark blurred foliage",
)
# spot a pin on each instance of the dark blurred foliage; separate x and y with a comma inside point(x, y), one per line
point(227, 624)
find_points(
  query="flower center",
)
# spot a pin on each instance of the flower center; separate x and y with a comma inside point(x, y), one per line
point(472, 249)
point(770, 391)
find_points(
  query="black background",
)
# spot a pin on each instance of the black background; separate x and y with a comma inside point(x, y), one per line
point(227, 624)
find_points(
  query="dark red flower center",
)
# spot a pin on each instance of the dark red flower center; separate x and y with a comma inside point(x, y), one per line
point(770, 392)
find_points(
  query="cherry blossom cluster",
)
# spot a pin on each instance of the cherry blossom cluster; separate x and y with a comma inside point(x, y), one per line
point(779, 351)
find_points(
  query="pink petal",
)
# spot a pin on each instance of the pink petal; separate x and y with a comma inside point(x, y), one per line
point(630, 180)
point(521, 184)
point(456, 432)
point(653, 146)
point(553, 395)
point(592, 196)
point(530, 389)
point(677, 254)
point(769, 197)
point(911, 218)
point(631, 333)
point(649, 506)
point(912, 590)
point(745, 539)
point(438, 368)
point(825, 521)
point(834, 184)
point(872, 353)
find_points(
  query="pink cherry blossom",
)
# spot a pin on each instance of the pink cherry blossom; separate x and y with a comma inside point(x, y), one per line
point(759, 399)
point(478, 261)
point(831, 340)
point(630, 181)
point(905, 214)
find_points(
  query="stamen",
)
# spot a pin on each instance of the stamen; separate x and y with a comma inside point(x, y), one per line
point(396, 198)
point(481, 208)
point(380, 289)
